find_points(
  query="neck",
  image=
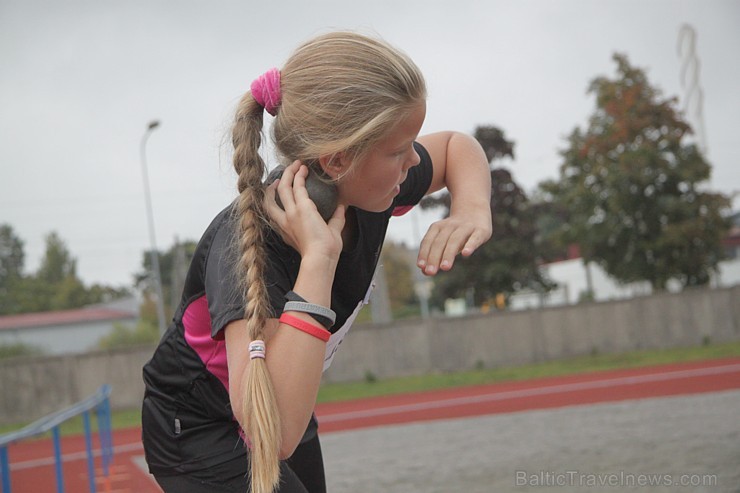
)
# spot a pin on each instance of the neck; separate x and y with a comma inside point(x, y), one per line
point(349, 232)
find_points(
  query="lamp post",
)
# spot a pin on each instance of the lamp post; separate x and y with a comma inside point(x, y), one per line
point(154, 254)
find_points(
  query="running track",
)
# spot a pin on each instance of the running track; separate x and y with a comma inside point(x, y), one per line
point(32, 468)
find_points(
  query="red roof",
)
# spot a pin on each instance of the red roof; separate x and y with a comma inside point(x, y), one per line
point(64, 317)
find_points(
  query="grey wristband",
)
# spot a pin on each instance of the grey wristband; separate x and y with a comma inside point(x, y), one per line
point(323, 315)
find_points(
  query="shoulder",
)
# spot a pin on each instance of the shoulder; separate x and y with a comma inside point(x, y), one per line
point(418, 180)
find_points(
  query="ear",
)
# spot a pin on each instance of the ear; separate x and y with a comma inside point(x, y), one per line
point(335, 165)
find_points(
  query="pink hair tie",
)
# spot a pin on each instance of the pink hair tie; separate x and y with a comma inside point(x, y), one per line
point(266, 90)
point(257, 349)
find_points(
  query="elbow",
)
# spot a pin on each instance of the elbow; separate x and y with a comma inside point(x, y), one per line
point(290, 441)
point(287, 449)
point(291, 435)
point(288, 444)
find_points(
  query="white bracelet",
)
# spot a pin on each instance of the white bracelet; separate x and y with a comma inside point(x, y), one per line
point(322, 312)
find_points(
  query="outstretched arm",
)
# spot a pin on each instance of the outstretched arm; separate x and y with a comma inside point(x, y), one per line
point(460, 165)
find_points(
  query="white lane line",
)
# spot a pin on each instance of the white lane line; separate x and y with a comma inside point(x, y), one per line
point(47, 461)
point(516, 394)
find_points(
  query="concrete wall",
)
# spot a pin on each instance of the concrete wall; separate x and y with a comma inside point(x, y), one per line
point(530, 336)
point(33, 387)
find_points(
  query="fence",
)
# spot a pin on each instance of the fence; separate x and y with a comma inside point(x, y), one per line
point(413, 347)
point(98, 402)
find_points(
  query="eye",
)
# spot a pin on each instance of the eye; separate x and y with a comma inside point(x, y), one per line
point(401, 152)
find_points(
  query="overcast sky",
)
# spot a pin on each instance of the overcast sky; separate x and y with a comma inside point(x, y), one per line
point(80, 81)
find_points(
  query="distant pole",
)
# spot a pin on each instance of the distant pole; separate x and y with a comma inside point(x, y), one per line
point(179, 272)
point(693, 92)
point(380, 305)
point(154, 253)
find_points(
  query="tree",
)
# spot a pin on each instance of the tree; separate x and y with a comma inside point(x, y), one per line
point(70, 292)
point(11, 256)
point(631, 183)
point(11, 267)
point(173, 265)
point(550, 217)
point(57, 263)
point(494, 142)
point(397, 260)
point(55, 286)
point(508, 261)
point(19, 349)
point(146, 330)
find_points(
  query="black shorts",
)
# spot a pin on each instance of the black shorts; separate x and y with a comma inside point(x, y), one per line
point(302, 473)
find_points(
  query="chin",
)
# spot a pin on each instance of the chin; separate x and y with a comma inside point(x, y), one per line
point(373, 209)
point(375, 206)
point(382, 207)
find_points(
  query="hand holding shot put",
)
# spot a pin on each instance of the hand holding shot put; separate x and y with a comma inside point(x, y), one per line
point(295, 212)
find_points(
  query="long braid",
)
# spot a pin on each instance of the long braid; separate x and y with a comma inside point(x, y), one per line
point(261, 416)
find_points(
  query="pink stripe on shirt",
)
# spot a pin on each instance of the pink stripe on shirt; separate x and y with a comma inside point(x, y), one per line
point(401, 210)
point(197, 323)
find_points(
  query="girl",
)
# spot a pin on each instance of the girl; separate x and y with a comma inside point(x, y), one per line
point(273, 288)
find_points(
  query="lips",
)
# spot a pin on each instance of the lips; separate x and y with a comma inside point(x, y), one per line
point(397, 190)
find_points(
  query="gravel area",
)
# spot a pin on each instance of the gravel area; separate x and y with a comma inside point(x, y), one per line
point(624, 446)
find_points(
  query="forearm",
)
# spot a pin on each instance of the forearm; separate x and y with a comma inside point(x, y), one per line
point(297, 358)
point(294, 359)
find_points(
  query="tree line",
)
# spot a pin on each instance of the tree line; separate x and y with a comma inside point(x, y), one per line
point(54, 286)
point(630, 193)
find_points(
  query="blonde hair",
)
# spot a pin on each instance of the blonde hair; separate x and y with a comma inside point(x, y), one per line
point(341, 92)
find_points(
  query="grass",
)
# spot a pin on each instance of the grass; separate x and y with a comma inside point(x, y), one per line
point(374, 387)
point(582, 364)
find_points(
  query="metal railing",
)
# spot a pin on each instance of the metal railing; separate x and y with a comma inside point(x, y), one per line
point(100, 403)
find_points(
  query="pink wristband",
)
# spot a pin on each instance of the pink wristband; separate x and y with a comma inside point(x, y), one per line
point(306, 327)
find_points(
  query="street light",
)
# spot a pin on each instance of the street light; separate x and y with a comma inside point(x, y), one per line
point(152, 238)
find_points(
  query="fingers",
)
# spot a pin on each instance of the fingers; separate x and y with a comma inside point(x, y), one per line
point(423, 260)
point(440, 247)
point(271, 196)
point(297, 218)
point(443, 242)
point(474, 241)
point(281, 195)
point(336, 221)
point(289, 185)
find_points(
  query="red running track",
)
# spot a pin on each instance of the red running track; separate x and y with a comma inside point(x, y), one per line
point(32, 468)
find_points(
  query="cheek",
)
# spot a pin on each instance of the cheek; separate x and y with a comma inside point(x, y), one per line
point(388, 180)
point(376, 181)
point(381, 177)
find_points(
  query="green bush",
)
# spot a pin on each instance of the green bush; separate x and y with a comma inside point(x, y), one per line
point(19, 349)
point(123, 336)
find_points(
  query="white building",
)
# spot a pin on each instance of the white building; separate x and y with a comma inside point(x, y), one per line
point(575, 279)
point(67, 331)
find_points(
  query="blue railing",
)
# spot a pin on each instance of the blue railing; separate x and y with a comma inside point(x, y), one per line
point(100, 403)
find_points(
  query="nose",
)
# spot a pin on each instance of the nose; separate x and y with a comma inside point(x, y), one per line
point(413, 160)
